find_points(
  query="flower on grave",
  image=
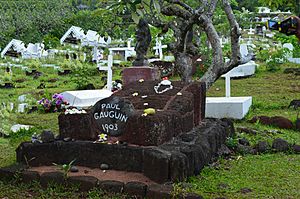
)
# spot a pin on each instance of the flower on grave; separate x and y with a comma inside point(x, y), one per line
point(102, 137)
point(75, 111)
point(56, 104)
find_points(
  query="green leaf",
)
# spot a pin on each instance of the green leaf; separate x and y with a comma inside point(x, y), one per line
point(140, 13)
point(135, 18)
point(156, 6)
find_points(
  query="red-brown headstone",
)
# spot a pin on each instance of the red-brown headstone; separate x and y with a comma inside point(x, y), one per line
point(134, 74)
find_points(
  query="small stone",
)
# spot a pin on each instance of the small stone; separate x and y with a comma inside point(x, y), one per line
point(74, 169)
point(104, 167)
point(85, 171)
point(296, 148)
point(67, 139)
point(47, 136)
point(262, 146)
point(280, 145)
point(245, 190)
point(223, 186)
point(244, 141)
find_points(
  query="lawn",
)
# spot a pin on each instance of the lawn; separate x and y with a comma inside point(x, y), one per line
point(271, 175)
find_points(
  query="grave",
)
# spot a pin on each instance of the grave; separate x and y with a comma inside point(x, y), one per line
point(85, 98)
point(168, 144)
point(228, 107)
point(289, 55)
point(243, 70)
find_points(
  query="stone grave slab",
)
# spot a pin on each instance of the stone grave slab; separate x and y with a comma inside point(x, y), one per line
point(227, 107)
point(176, 111)
point(85, 98)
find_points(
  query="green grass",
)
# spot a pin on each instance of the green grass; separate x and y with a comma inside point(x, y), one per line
point(268, 175)
point(271, 91)
point(13, 190)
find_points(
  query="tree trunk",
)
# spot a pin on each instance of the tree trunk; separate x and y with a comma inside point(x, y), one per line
point(184, 64)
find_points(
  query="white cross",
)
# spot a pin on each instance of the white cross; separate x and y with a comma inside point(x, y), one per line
point(109, 71)
point(158, 48)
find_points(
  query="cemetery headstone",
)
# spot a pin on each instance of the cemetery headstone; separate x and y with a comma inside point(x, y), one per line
point(111, 114)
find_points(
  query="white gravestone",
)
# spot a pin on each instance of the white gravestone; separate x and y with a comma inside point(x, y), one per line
point(289, 55)
point(227, 107)
point(243, 70)
point(85, 98)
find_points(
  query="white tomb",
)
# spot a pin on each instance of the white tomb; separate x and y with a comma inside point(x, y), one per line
point(289, 55)
point(85, 98)
point(227, 107)
point(243, 70)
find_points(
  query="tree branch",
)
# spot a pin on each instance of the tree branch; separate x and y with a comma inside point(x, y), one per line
point(175, 11)
point(214, 71)
point(234, 33)
point(212, 7)
point(184, 5)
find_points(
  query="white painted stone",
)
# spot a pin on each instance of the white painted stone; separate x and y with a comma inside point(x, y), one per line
point(15, 128)
point(244, 50)
point(22, 107)
point(22, 98)
point(227, 107)
point(85, 98)
point(290, 47)
point(294, 60)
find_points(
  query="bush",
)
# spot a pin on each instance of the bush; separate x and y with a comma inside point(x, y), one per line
point(81, 73)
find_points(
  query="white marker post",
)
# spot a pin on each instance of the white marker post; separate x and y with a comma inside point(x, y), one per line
point(109, 71)
point(227, 85)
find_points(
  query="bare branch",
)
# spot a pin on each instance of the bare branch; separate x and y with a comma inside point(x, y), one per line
point(214, 71)
point(212, 7)
point(200, 9)
point(234, 32)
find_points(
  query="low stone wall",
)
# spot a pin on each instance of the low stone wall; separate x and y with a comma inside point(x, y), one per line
point(86, 183)
point(175, 160)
